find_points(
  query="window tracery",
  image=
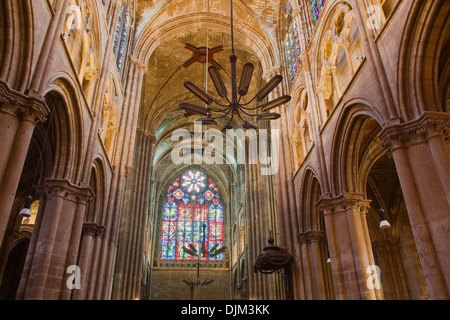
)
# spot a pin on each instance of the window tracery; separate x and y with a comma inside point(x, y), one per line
point(192, 216)
point(121, 35)
point(292, 43)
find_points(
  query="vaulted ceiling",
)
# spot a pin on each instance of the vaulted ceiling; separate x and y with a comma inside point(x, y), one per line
point(165, 30)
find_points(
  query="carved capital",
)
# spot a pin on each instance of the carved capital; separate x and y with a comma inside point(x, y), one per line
point(138, 64)
point(91, 75)
point(34, 112)
point(343, 203)
point(64, 189)
point(271, 72)
point(310, 236)
point(10, 106)
point(31, 108)
point(427, 126)
point(93, 230)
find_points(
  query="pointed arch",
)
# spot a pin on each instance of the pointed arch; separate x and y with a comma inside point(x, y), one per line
point(192, 218)
point(350, 142)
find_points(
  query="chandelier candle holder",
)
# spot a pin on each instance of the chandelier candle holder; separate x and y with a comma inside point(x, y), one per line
point(234, 107)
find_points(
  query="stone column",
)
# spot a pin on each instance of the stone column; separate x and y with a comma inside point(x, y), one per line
point(349, 252)
point(9, 122)
point(315, 238)
point(86, 259)
point(392, 273)
point(314, 277)
point(55, 246)
point(81, 197)
point(422, 160)
point(18, 118)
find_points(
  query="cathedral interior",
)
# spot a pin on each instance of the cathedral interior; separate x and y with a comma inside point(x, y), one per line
point(225, 150)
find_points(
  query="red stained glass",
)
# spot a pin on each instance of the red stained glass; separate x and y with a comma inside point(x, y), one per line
point(192, 217)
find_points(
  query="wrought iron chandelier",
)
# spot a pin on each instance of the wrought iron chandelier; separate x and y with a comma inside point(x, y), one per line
point(234, 107)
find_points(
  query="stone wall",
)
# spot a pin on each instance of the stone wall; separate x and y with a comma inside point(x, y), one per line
point(167, 284)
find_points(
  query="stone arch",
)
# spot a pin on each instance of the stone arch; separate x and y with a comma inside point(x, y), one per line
point(311, 192)
point(66, 131)
point(97, 183)
point(423, 59)
point(313, 241)
point(16, 43)
point(159, 26)
point(444, 77)
point(362, 168)
point(13, 269)
point(354, 120)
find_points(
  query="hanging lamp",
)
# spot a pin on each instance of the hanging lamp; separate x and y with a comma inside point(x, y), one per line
point(234, 107)
point(384, 224)
point(26, 211)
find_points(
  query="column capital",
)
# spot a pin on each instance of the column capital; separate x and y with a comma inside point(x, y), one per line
point(343, 203)
point(269, 73)
point(93, 230)
point(64, 189)
point(10, 106)
point(384, 243)
point(428, 125)
point(91, 75)
point(31, 108)
point(138, 64)
point(147, 135)
point(310, 236)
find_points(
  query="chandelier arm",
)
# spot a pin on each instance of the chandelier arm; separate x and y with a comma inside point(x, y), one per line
point(220, 104)
point(251, 115)
point(239, 114)
point(221, 117)
point(218, 111)
point(246, 104)
point(249, 109)
point(231, 119)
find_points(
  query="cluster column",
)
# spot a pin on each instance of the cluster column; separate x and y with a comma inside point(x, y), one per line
point(350, 248)
point(419, 149)
point(18, 118)
point(55, 241)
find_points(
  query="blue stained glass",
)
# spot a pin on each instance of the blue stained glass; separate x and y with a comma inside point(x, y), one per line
point(293, 47)
point(193, 201)
point(116, 35)
point(168, 249)
point(123, 38)
point(170, 212)
point(317, 8)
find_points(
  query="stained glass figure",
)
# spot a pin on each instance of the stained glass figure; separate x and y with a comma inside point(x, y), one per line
point(192, 217)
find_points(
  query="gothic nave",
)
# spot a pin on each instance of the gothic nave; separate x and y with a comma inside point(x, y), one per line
point(224, 150)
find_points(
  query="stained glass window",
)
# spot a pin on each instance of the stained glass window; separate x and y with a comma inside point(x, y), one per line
point(293, 47)
point(317, 8)
point(120, 36)
point(192, 218)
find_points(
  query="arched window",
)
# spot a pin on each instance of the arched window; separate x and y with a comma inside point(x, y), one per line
point(317, 8)
point(192, 218)
point(293, 47)
point(120, 37)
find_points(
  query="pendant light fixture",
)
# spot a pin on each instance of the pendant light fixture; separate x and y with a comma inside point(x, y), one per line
point(384, 224)
point(26, 211)
point(234, 107)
